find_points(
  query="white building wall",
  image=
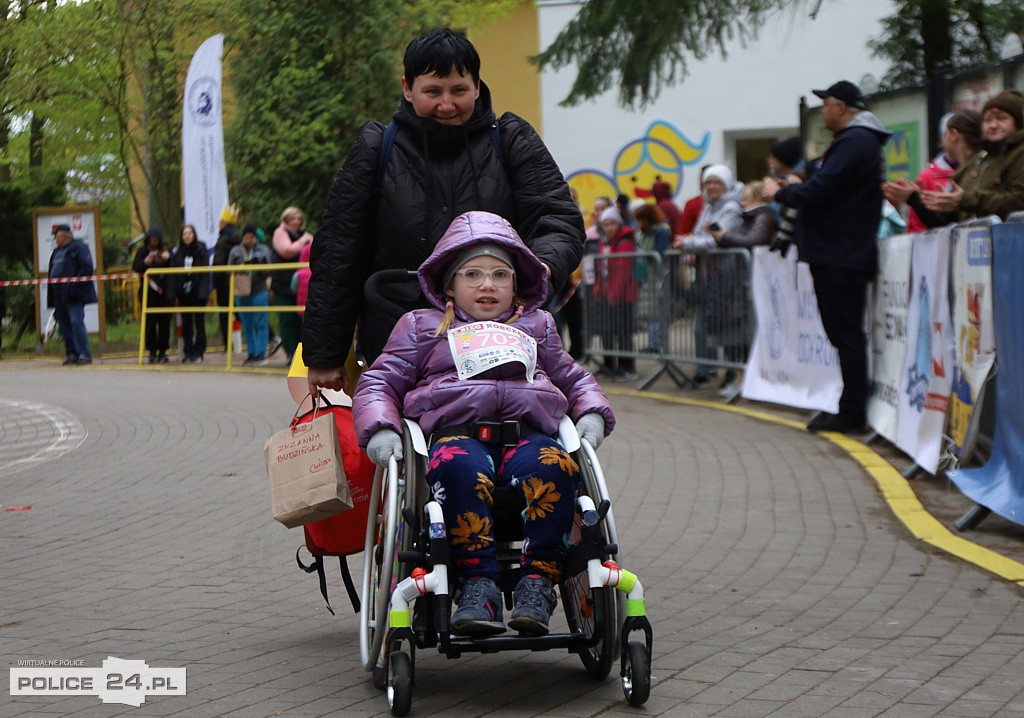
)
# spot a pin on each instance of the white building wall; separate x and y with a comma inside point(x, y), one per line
point(754, 92)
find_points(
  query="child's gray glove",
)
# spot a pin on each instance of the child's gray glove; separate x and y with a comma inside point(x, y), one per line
point(383, 445)
point(591, 427)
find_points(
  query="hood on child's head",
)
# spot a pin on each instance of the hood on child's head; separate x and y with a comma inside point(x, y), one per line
point(472, 228)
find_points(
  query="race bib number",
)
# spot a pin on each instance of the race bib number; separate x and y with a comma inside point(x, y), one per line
point(481, 346)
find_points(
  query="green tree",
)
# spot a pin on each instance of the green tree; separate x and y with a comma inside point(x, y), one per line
point(24, 182)
point(95, 89)
point(644, 47)
point(92, 91)
point(156, 40)
point(922, 35)
point(303, 93)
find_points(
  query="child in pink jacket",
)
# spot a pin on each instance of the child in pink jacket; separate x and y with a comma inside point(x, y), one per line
point(485, 375)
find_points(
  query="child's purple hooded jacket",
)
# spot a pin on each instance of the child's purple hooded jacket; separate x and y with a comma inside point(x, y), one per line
point(415, 377)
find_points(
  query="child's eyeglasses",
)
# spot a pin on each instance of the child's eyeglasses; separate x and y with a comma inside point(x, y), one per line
point(500, 277)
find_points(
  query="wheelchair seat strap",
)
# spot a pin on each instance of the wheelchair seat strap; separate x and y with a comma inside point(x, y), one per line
point(499, 433)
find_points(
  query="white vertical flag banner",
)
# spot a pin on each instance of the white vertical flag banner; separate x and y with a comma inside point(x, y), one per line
point(202, 142)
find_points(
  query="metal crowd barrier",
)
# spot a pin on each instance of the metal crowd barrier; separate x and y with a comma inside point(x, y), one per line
point(231, 309)
point(122, 294)
point(673, 309)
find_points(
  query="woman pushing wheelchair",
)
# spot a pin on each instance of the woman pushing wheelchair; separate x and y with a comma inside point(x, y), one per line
point(485, 375)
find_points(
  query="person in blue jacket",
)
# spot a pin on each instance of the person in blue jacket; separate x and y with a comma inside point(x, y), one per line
point(837, 224)
point(71, 258)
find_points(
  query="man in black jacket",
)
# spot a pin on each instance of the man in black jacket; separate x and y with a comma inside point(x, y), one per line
point(840, 206)
point(71, 258)
point(446, 160)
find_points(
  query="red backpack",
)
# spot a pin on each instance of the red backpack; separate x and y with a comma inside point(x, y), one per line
point(344, 533)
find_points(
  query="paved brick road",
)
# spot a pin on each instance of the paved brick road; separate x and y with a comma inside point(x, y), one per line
point(778, 583)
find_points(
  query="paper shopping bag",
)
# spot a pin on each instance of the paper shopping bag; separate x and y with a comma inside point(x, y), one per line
point(307, 477)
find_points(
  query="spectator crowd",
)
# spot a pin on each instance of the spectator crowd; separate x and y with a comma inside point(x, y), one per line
point(830, 209)
point(252, 288)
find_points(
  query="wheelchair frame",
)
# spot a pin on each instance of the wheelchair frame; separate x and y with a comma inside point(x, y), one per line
point(404, 559)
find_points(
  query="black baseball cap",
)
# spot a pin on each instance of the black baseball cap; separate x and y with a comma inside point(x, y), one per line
point(844, 91)
point(61, 228)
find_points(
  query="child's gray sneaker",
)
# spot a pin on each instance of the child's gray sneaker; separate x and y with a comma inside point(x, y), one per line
point(533, 602)
point(479, 611)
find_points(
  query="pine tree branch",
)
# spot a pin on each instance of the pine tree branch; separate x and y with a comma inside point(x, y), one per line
point(644, 47)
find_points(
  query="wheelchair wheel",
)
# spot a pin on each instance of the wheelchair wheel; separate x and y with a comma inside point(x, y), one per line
point(599, 611)
point(386, 534)
point(380, 677)
point(400, 683)
point(592, 612)
point(636, 684)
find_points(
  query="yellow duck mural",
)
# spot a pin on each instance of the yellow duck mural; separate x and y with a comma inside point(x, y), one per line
point(662, 152)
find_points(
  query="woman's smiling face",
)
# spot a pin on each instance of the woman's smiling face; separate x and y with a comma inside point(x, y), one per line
point(449, 100)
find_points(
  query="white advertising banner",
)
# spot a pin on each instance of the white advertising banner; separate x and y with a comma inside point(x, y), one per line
point(83, 226)
point(974, 345)
point(889, 332)
point(791, 359)
point(204, 174)
point(927, 375)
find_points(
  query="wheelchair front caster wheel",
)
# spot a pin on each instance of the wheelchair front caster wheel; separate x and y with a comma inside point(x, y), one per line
point(400, 684)
point(636, 684)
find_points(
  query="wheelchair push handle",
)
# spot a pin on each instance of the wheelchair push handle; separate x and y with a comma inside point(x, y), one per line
point(372, 289)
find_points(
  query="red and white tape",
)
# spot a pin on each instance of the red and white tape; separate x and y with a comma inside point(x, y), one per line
point(65, 280)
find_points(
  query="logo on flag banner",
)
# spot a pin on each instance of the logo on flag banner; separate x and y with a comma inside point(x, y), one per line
point(204, 101)
point(889, 332)
point(202, 142)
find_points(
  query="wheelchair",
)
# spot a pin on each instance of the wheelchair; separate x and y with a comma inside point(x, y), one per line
point(406, 558)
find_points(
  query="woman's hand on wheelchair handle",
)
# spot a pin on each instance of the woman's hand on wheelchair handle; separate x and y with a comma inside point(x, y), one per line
point(383, 445)
point(591, 427)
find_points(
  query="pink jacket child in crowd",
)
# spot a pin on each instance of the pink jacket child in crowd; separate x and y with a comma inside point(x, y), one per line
point(485, 376)
point(302, 278)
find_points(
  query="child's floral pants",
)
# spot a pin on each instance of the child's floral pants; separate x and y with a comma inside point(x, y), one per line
point(461, 476)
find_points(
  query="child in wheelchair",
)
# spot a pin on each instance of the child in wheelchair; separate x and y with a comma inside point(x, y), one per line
point(485, 375)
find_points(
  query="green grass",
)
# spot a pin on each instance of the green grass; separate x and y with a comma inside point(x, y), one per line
point(122, 338)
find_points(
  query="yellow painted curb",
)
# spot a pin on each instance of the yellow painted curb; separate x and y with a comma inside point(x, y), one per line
point(895, 489)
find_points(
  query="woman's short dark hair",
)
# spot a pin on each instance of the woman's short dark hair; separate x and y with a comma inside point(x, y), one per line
point(438, 52)
point(968, 123)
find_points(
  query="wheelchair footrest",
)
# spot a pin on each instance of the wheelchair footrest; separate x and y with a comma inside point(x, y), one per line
point(491, 644)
